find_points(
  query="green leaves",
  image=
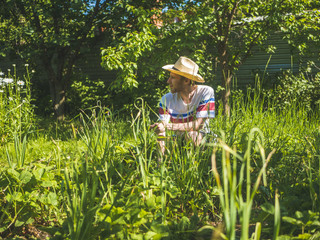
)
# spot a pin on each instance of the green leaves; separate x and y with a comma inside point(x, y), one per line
point(125, 56)
point(307, 222)
point(52, 34)
point(293, 90)
point(25, 177)
point(114, 186)
point(25, 199)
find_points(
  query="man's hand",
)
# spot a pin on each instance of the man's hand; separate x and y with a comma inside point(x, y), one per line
point(158, 127)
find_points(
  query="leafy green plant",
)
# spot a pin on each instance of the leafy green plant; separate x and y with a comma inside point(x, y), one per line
point(301, 89)
point(99, 175)
point(18, 157)
point(15, 210)
point(29, 195)
point(125, 56)
point(306, 223)
point(16, 110)
point(85, 93)
point(233, 199)
point(80, 188)
point(88, 183)
point(313, 167)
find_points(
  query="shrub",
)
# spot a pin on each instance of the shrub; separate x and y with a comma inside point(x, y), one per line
point(302, 89)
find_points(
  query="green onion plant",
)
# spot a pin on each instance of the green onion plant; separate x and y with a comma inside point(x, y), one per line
point(236, 188)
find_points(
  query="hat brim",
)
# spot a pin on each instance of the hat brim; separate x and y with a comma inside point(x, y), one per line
point(196, 78)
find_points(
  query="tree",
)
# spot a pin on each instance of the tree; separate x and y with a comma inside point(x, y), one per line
point(236, 26)
point(302, 32)
point(55, 32)
point(138, 56)
point(128, 49)
point(226, 32)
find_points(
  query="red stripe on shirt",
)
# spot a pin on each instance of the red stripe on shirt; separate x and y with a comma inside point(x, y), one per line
point(162, 111)
point(181, 120)
point(209, 106)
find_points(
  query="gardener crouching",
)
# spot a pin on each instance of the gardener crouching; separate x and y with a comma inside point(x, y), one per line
point(186, 110)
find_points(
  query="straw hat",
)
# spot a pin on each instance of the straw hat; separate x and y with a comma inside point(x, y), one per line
point(185, 67)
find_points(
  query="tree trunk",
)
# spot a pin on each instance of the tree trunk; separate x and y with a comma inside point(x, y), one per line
point(58, 97)
point(226, 77)
point(57, 88)
point(226, 83)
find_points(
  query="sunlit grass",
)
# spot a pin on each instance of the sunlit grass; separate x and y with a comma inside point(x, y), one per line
point(100, 174)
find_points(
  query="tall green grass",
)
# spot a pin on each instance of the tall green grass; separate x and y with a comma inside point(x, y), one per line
point(292, 131)
point(103, 178)
point(237, 191)
point(16, 110)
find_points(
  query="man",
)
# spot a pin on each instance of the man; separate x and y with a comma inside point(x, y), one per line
point(188, 107)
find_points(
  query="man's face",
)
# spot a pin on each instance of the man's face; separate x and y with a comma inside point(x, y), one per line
point(175, 82)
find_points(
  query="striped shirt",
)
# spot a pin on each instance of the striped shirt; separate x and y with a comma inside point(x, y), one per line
point(173, 109)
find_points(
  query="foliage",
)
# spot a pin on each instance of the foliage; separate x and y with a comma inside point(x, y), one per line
point(219, 36)
point(301, 30)
point(237, 26)
point(101, 177)
point(307, 222)
point(53, 34)
point(28, 193)
point(291, 90)
point(85, 93)
point(233, 199)
point(16, 109)
point(127, 52)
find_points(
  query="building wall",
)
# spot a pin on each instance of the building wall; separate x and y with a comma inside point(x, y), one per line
point(269, 65)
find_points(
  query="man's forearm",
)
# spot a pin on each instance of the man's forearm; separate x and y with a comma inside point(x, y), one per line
point(186, 127)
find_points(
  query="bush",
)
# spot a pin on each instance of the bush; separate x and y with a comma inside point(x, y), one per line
point(302, 89)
